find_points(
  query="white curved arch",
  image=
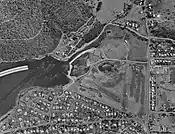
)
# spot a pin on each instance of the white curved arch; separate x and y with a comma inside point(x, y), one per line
point(13, 70)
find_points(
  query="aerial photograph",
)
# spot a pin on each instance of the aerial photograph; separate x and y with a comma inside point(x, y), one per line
point(87, 66)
